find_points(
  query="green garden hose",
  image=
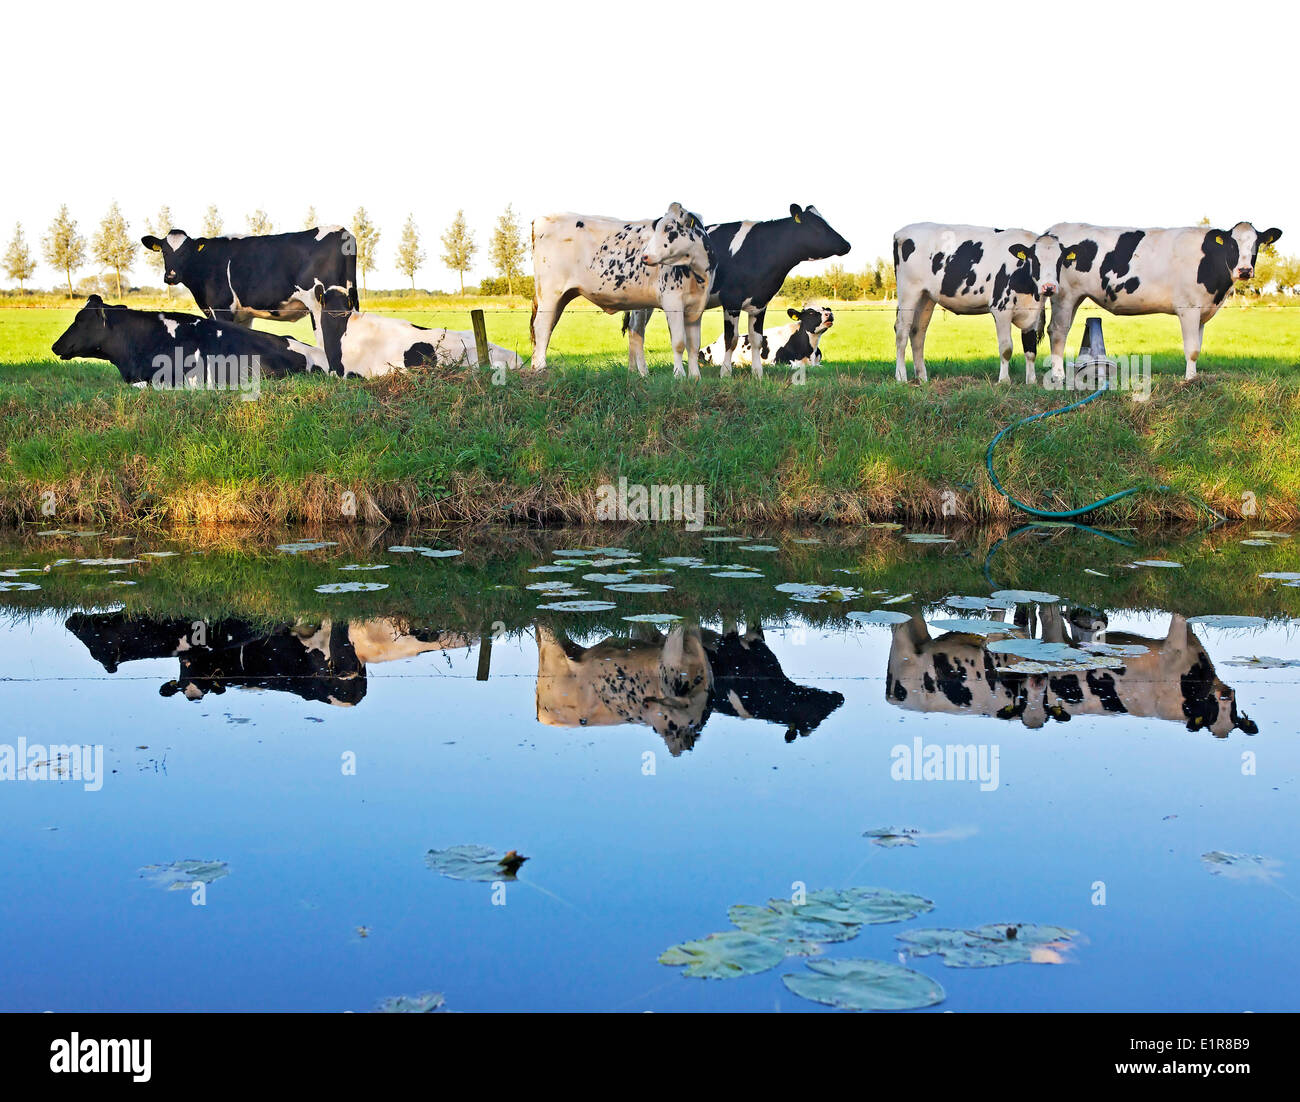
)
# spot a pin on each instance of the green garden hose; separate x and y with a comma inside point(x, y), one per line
point(1064, 514)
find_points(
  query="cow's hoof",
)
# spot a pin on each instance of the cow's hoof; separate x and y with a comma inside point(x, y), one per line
point(724, 373)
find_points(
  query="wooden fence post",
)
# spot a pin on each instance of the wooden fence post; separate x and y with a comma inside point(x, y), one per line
point(480, 337)
point(484, 648)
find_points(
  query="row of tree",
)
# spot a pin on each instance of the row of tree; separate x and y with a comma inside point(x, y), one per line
point(114, 248)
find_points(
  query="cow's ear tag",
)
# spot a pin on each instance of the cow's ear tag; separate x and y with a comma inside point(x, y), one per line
point(1218, 240)
point(199, 249)
point(1069, 256)
point(1020, 254)
point(797, 218)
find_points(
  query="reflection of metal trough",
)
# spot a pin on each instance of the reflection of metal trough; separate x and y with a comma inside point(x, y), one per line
point(1093, 369)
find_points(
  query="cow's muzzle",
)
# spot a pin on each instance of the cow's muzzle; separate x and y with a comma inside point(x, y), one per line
point(1047, 289)
point(171, 279)
point(1243, 273)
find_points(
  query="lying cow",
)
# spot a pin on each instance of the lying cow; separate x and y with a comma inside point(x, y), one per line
point(241, 278)
point(666, 262)
point(1187, 272)
point(795, 344)
point(181, 350)
point(754, 259)
point(957, 674)
point(973, 270)
point(662, 682)
point(371, 345)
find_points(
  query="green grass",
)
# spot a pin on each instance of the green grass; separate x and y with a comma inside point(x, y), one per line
point(849, 445)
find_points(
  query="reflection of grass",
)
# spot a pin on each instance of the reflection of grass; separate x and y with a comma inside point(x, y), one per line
point(839, 449)
point(247, 579)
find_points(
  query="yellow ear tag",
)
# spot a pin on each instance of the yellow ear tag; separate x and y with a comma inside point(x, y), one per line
point(1218, 240)
point(199, 249)
point(1020, 254)
point(1069, 256)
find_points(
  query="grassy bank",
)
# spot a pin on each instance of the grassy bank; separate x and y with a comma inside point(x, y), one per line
point(848, 446)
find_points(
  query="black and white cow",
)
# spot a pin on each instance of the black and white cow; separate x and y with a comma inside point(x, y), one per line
point(666, 262)
point(972, 270)
point(794, 344)
point(754, 259)
point(241, 278)
point(371, 345)
point(181, 350)
point(1187, 272)
point(955, 673)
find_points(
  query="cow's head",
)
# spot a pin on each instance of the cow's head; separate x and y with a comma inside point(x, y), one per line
point(813, 319)
point(177, 249)
point(679, 237)
point(819, 241)
point(1210, 705)
point(1039, 268)
point(1248, 242)
point(85, 336)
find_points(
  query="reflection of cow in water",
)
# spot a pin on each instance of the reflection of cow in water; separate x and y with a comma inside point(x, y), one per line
point(956, 673)
point(672, 683)
point(325, 662)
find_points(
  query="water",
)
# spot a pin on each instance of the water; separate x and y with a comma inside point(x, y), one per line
point(333, 739)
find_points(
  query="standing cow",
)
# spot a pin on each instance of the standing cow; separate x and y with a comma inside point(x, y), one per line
point(754, 259)
point(241, 278)
point(973, 270)
point(1186, 271)
point(666, 262)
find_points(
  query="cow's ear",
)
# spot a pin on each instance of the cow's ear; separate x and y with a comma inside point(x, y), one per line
point(1269, 236)
point(151, 243)
point(793, 313)
point(1020, 252)
point(796, 212)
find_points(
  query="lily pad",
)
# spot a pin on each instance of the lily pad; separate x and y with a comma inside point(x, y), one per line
point(783, 922)
point(864, 985)
point(863, 906)
point(106, 562)
point(991, 945)
point(1257, 543)
point(1228, 621)
point(1272, 535)
point(1025, 597)
point(605, 578)
point(579, 606)
point(351, 587)
point(734, 574)
point(725, 956)
point(682, 560)
point(927, 537)
point(550, 568)
point(1282, 575)
point(18, 587)
point(975, 626)
point(975, 603)
point(297, 547)
point(897, 600)
point(892, 837)
point(1262, 662)
point(639, 587)
point(365, 566)
point(1241, 866)
point(725, 539)
point(757, 547)
point(473, 862)
point(878, 616)
point(1157, 562)
point(653, 618)
point(181, 875)
point(425, 1003)
point(440, 553)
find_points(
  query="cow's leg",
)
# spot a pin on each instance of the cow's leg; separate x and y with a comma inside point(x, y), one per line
point(693, 346)
point(677, 331)
point(731, 336)
point(1029, 339)
point(1002, 320)
point(547, 309)
point(1193, 330)
point(902, 327)
point(1059, 329)
point(755, 330)
point(920, 323)
point(637, 323)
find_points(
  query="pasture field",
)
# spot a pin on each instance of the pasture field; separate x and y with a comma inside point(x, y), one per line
point(847, 446)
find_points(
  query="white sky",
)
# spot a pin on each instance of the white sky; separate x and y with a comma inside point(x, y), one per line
point(1004, 114)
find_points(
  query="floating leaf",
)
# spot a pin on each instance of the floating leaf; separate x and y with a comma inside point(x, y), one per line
point(351, 587)
point(725, 956)
point(426, 1003)
point(991, 945)
point(891, 837)
point(639, 587)
point(878, 616)
point(757, 547)
point(1241, 866)
point(1025, 597)
point(734, 574)
point(1115, 649)
point(550, 587)
point(18, 587)
point(974, 603)
point(1262, 662)
point(784, 922)
point(296, 547)
point(606, 578)
point(974, 626)
point(1282, 575)
point(1257, 543)
point(443, 553)
point(579, 606)
point(365, 566)
point(551, 568)
point(473, 862)
point(1156, 562)
point(725, 539)
point(863, 906)
point(106, 562)
point(682, 560)
point(181, 875)
point(927, 537)
point(653, 618)
point(1272, 535)
point(864, 985)
point(1229, 621)
point(897, 600)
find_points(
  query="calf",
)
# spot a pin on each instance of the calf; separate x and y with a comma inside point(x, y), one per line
point(241, 278)
point(972, 270)
point(171, 350)
point(667, 262)
point(792, 344)
point(371, 345)
point(1186, 271)
point(754, 259)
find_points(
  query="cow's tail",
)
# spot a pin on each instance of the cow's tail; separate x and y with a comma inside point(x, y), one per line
point(532, 321)
point(627, 322)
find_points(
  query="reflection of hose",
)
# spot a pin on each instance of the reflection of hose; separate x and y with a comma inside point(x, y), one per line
point(988, 559)
point(988, 462)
